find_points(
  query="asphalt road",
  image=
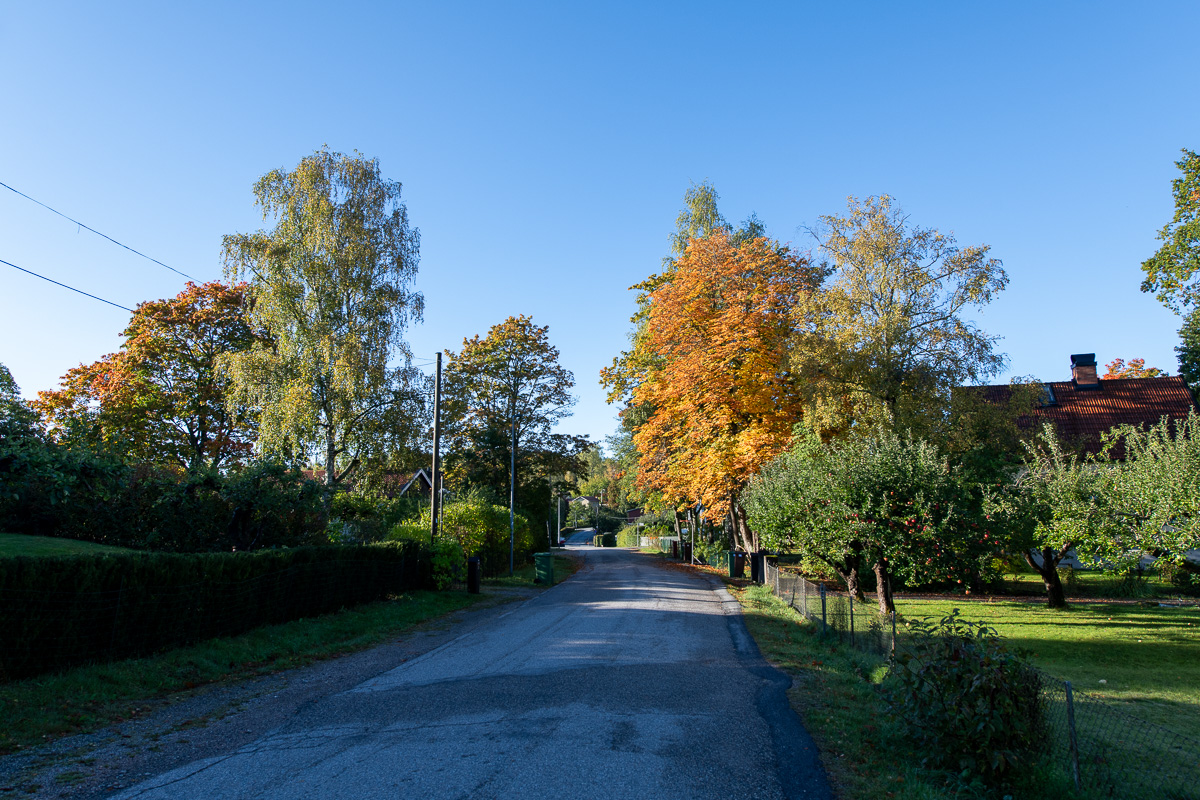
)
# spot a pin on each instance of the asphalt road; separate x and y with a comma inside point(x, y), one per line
point(631, 680)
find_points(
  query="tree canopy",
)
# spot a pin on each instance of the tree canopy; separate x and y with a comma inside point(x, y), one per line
point(717, 406)
point(509, 381)
point(331, 283)
point(1171, 271)
point(1136, 368)
point(162, 398)
point(889, 337)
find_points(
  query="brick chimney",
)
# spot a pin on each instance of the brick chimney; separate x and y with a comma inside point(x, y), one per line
point(1083, 371)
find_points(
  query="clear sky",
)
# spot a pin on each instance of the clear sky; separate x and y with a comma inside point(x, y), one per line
point(545, 149)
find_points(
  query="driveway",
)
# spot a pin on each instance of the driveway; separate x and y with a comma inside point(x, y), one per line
point(630, 680)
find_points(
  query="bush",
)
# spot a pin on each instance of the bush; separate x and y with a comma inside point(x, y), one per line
point(64, 611)
point(968, 702)
point(605, 540)
point(481, 529)
point(627, 536)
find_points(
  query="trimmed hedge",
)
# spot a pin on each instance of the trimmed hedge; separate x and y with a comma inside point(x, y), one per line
point(605, 540)
point(64, 611)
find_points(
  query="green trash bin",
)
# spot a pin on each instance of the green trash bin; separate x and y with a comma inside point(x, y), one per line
point(543, 566)
point(737, 564)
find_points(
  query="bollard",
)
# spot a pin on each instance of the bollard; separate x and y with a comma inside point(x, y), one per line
point(474, 574)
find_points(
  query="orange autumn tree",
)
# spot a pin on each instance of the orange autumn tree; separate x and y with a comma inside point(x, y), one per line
point(1136, 368)
point(163, 398)
point(717, 334)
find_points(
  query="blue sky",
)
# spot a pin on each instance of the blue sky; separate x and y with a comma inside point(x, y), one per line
point(545, 149)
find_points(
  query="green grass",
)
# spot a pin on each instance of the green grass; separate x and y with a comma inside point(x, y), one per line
point(523, 574)
point(1095, 584)
point(1147, 656)
point(87, 698)
point(835, 690)
point(16, 544)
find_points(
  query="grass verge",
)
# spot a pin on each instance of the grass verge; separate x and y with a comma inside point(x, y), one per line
point(87, 698)
point(835, 691)
point(17, 544)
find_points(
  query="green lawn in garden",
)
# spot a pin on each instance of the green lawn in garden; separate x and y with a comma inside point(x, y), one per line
point(16, 544)
point(1147, 655)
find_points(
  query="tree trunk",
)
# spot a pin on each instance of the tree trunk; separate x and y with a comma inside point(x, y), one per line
point(1048, 570)
point(848, 572)
point(742, 532)
point(883, 587)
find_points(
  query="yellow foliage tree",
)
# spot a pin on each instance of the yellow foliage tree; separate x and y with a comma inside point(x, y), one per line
point(719, 406)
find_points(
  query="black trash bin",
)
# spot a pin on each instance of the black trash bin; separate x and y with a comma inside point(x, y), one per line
point(737, 564)
point(474, 575)
point(758, 570)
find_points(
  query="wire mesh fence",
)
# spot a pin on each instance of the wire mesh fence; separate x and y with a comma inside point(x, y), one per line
point(1105, 750)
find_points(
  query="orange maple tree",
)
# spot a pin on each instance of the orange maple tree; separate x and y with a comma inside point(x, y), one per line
point(1136, 368)
point(162, 397)
point(718, 403)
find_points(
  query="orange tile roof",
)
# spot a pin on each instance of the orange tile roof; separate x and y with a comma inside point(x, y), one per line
point(1081, 415)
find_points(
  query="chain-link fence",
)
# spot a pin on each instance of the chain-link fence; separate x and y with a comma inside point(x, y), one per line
point(1105, 750)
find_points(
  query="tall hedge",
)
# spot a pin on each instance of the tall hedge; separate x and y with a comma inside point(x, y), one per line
point(60, 612)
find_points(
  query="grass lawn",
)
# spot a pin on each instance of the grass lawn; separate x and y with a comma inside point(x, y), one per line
point(16, 544)
point(87, 698)
point(1148, 656)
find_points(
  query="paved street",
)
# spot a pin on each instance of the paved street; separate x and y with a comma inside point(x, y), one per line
point(630, 680)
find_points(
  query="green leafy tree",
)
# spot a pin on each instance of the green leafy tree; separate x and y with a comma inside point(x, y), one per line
point(888, 502)
point(1171, 271)
point(507, 389)
point(17, 419)
point(1153, 491)
point(1056, 505)
point(890, 339)
point(1188, 349)
point(331, 283)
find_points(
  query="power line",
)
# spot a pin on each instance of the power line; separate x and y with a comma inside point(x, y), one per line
point(72, 288)
point(93, 230)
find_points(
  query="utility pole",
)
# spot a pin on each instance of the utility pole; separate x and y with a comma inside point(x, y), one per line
point(435, 504)
point(512, 490)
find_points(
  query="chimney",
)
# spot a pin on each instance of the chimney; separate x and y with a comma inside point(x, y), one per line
point(1083, 371)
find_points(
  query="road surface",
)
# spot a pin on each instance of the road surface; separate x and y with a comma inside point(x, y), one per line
point(631, 680)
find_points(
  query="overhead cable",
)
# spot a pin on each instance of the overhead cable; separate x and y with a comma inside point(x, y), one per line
point(93, 230)
point(72, 288)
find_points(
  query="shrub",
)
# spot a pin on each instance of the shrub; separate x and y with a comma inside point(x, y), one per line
point(968, 702)
point(481, 529)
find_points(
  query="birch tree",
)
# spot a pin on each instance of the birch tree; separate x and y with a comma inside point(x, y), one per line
point(331, 283)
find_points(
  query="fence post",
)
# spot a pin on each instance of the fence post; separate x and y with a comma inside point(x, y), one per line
point(850, 597)
point(824, 621)
point(893, 633)
point(1071, 731)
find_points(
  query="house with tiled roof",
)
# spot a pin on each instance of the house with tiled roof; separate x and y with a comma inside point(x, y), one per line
point(395, 484)
point(1086, 406)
